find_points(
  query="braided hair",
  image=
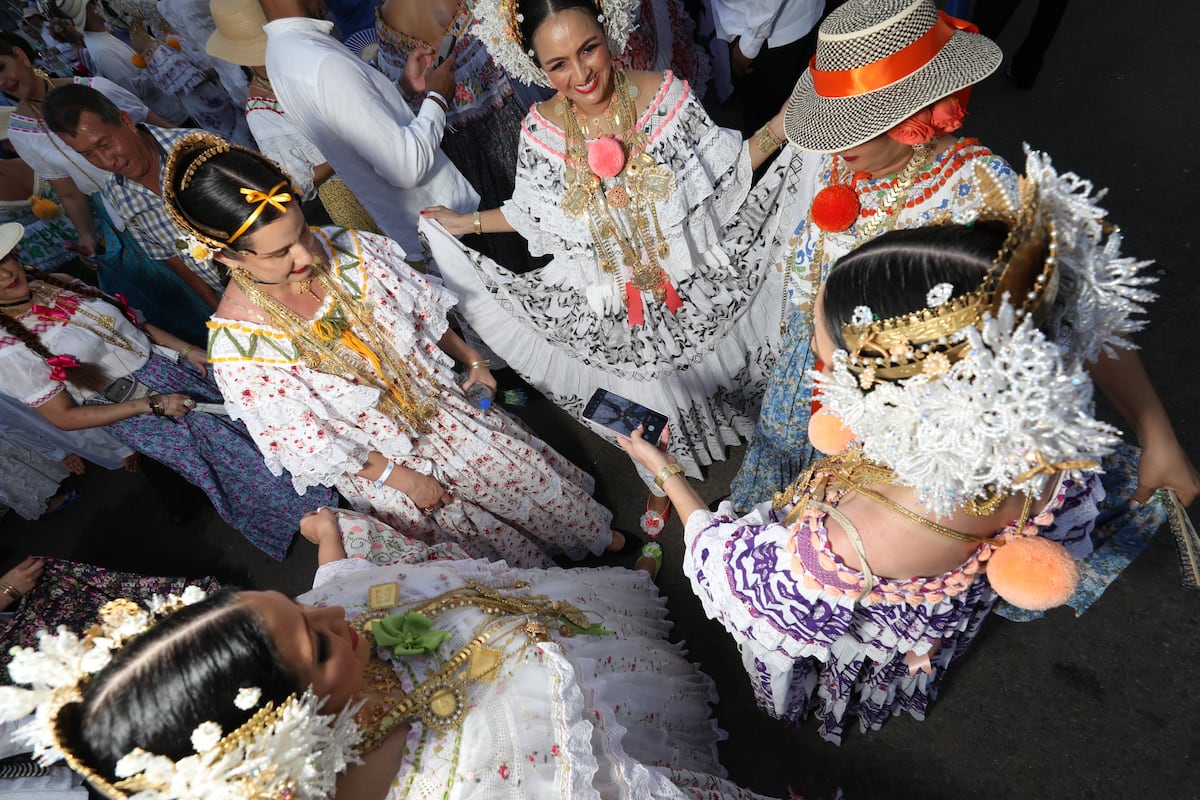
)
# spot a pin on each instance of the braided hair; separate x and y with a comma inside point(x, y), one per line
point(85, 376)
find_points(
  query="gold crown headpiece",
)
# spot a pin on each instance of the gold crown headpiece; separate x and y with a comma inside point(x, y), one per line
point(210, 145)
point(306, 749)
point(930, 340)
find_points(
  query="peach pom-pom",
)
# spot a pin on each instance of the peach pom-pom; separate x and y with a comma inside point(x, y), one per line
point(1034, 573)
point(835, 208)
point(827, 433)
point(44, 208)
point(606, 156)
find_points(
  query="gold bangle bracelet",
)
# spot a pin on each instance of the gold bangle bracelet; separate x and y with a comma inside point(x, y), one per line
point(478, 222)
point(11, 591)
point(184, 352)
point(483, 362)
point(765, 139)
point(674, 468)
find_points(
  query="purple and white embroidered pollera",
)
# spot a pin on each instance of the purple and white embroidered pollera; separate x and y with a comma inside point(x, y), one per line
point(810, 645)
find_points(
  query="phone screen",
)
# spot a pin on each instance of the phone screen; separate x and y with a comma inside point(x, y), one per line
point(624, 416)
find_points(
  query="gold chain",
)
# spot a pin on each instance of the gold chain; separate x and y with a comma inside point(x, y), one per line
point(439, 701)
point(105, 326)
point(852, 472)
point(888, 214)
point(335, 340)
point(623, 220)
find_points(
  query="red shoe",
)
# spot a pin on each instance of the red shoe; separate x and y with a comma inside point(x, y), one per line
point(654, 522)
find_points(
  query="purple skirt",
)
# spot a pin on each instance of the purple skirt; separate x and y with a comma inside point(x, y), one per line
point(217, 454)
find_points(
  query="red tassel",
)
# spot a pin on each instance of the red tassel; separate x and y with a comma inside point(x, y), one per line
point(819, 366)
point(672, 298)
point(634, 297)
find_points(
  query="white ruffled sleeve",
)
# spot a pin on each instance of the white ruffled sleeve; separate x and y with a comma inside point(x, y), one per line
point(318, 427)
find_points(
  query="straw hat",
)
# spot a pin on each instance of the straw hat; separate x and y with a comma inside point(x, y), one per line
point(878, 62)
point(239, 37)
point(10, 237)
point(76, 10)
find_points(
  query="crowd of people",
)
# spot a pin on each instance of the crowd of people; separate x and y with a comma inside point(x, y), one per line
point(278, 250)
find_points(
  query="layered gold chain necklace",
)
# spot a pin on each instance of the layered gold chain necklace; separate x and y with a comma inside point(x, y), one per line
point(332, 344)
point(622, 219)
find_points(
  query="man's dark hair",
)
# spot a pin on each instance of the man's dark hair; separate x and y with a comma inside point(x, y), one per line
point(63, 107)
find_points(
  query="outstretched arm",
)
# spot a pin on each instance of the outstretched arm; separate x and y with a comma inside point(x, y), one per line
point(1124, 381)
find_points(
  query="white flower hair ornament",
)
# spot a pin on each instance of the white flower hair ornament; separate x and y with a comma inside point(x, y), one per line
point(1011, 399)
point(287, 751)
point(968, 396)
point(497, 25)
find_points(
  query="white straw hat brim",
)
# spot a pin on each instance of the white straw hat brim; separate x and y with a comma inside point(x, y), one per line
point(832, 124)
point(10, 236)
point(244, 52)
point(239, 37)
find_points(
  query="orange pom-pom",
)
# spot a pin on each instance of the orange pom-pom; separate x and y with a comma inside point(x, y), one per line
point(44, 208)
point(827, 433)
point(1034, 573)
point(138, 60)
point(174, 44)
point(835, 208)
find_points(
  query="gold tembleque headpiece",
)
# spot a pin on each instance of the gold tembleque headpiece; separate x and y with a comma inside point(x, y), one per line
point(304, 748)
point(209, 145)
point(930, 340)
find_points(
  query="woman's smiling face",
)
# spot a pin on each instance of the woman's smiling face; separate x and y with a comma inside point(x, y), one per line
point(572, 48)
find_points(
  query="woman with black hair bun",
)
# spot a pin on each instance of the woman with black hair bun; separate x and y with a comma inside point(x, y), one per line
point(962, 460)
point(339, 359)
point(448, 678)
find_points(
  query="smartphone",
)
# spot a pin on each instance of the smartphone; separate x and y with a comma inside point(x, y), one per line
point(445, 50)
point(624, 416)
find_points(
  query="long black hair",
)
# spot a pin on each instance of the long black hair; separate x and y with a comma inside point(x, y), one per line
point(534, 12)
point(184, 671)
point(213, 201)
point(892, 274)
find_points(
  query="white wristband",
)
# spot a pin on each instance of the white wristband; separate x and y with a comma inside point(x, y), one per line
point(382, 479)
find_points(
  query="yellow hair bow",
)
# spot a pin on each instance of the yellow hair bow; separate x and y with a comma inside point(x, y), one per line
point(264, 199)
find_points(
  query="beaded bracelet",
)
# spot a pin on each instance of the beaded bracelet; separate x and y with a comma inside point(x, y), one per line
point(674, 468)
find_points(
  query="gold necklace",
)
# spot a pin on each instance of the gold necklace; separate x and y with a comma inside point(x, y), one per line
point(332, 344)
point(35, 106)
point(440, 700)
point(105, 327)
point(889, 215)
point(623, 220)
point(852, 472)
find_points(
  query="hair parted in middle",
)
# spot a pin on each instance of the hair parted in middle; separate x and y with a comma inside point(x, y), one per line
point(184, 671)
point(893, 273)
point(204, 177)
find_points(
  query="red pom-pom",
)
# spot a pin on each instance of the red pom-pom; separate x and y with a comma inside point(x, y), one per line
point(1034, 573)
point(606, 156)
point(828, 434)
point(835, 208)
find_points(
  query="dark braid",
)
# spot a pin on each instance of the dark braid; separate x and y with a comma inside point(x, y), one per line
point(85, 376)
